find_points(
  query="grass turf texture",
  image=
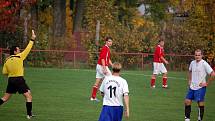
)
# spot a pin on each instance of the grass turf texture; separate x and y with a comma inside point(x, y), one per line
point(63, 95)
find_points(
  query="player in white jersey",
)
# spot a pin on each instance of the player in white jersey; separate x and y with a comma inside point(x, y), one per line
point(198, 71)
point(114, 90)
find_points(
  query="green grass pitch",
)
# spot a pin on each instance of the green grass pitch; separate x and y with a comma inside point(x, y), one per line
point(63, 95)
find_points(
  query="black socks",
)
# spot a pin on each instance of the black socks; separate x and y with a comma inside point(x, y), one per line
point(1, 101)
point(187, 111)
point(29, 108)
point(201, 112)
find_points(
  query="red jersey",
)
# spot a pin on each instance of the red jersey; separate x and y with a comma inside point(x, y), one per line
point(104, 54)
point(159, 52)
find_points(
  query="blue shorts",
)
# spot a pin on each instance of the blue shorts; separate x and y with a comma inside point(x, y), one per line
point(111, 113)
point(196, 95)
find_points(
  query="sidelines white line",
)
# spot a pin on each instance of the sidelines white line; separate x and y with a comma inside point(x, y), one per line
point(127, 73)
point(151, 75)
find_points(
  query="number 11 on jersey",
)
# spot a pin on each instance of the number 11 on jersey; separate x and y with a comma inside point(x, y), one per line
point(112, 91)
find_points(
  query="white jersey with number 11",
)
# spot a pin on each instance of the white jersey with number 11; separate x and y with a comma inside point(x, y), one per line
point(114, 87)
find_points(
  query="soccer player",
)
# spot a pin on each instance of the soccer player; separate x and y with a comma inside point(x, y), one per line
point(13, 68)
point(198, 70)
point(114, 89)
point(102, 67)
point(158, 66)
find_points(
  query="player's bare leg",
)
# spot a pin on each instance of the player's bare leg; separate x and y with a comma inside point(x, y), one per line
point(187, 111)
point(28, 98)
point(5, 98)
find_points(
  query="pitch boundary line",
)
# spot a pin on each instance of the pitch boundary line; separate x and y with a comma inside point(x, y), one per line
point(171, 77)
point(127, 73)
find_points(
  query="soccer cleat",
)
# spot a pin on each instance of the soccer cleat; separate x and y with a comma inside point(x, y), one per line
point(94, 99)
point(29, 117)
point(199, 118)
point(153, 86)
point(187, 119)
point(164, 86)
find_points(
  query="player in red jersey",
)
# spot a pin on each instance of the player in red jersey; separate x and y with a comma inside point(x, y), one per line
point(158, 66)
point(102, 69)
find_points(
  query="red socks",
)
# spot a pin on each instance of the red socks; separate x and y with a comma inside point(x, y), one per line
point(164, 80)
point(94, 91)
point(152, 82)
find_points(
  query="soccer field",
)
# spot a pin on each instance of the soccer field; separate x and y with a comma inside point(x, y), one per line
point(63, 95)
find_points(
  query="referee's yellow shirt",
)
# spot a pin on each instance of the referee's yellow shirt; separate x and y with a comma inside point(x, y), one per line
point(13, 66)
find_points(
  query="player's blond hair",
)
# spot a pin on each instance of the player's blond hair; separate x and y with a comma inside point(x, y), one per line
point(117, 67)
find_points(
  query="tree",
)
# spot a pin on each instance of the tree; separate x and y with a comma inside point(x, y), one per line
point(78, 16)
point(59, 18)
point(130, 38)
point(11, 29)
point(8, 11)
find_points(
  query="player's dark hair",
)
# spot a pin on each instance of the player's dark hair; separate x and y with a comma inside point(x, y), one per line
point(160, 39)
point(199, 50)
point(108, 38)
point(12, 49)
point(116, 67)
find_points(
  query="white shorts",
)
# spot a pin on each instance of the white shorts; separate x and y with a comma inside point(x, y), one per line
point(159, 68)
point(99, 71)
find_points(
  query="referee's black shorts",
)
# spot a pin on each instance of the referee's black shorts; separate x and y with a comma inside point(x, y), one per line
point(17, 84)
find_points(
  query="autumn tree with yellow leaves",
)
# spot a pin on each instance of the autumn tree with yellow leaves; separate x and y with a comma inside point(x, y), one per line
point(139, 35)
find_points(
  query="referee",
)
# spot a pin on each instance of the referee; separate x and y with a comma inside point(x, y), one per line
point(13, 68)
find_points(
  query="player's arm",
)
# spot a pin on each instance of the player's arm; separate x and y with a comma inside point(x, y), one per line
point(101, 89)
point(164, 60)
point(211, 74)
point(29, 46)
point(110, 62)
point(211, 78)
point(126, 101)
point(104, 67)
point(102, 94)
point(4, 70)
point(161, 55)
point(190, 73)
point(126, 98)
point(189, 77)
point(103, 57)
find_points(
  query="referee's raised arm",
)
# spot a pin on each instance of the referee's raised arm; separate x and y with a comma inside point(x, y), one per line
point(29, 46)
